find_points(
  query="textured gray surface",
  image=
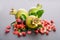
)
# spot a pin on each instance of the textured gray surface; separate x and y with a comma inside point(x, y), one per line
point(52, 11)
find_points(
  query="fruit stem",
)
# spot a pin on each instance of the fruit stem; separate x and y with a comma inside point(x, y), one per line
point(39, 6)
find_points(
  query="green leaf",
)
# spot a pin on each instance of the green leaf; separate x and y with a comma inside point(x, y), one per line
point(23, 17)
point(39, 13)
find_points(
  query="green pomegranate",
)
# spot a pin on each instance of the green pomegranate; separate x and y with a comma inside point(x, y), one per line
point(21, 13)
point(36, 11)
point(34, 14)
point(32, 22)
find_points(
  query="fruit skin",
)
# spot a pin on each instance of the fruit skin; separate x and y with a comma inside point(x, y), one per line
point(21, 12)
point(33, 11)
point(36, 11)
point(28, 22)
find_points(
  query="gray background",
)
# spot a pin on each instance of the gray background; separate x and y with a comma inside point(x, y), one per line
point(52, 11)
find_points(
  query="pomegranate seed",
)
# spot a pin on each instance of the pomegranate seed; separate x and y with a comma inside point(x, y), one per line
point(45, 29)
point(48, 23)
point(22, 26)
point(54, 29)
point(15, 25)
point(15, 32)
point(15, 29)
point(18, 26)
point(7, 31)
point(8, 27)
point(47, 32)
point(18, 20)
point(45, 24)
point(52, 21)
point(19, 34)
point(36, 31)
point(49, 28)
point(24, 33)
point(42, 31)
point(29, 32)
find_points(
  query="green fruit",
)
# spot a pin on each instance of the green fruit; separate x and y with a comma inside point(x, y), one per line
point(29, 22)
point(23, 14)
point(36, 11)
point(33, 11)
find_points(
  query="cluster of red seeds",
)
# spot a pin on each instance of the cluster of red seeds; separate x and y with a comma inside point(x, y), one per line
point(7, 29)
point(19, 24)
point(45, 29)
